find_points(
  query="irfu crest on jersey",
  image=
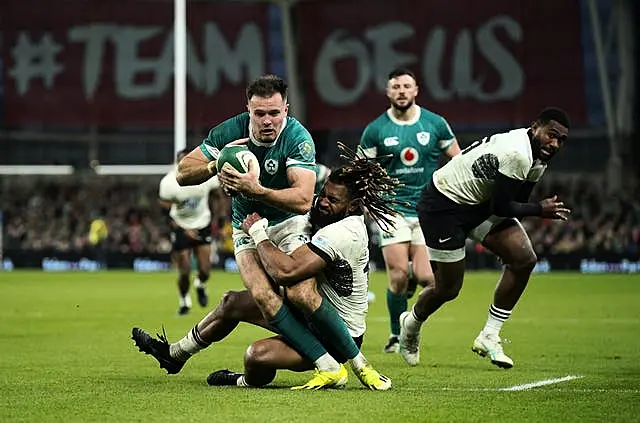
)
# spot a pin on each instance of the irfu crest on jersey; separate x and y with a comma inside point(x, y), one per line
point(409, 156)
point(423, 137)
point(271, 166)
point(306, 151)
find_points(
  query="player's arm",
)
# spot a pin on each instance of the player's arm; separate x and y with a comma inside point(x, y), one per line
point(453, 149)
point(524, 193)
point(513, 171)
point(286, 270)
point(195, 168)
point(165, 202)
point(200, 164)
point(447, 141)
point(301, 177)
point(534, 175)
point(295, 199)
point(165, 206)
point(504, 201)
point(368, 142)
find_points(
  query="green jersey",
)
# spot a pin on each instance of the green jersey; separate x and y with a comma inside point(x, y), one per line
point(293, 148)
point(415, 148)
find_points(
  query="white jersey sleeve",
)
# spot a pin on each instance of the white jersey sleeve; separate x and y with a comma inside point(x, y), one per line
point(469, 177)
point(344, 245)
point(190, 208)
point(536, 172)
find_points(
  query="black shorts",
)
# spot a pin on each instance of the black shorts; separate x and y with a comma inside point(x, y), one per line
point(445, 223)
point(180, 241)
point(322, 338)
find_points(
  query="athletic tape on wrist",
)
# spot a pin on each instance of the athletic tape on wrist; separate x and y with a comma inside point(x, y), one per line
point(258, 231)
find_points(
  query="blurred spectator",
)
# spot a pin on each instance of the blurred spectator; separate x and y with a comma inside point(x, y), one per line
point(600, 223)
point(55, 214)
point(98, 234)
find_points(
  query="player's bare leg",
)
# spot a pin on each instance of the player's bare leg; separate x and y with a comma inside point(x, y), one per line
point(510, 242)
point(446, 287)
point(203, 254)
point(258, 283)
point(261, 361)
point(448, 279)
point(396, 259)
point(280, 317)
point(327, 321)
point(182, 259)
point(234, 307)
point(420, 271)
point(420, 265)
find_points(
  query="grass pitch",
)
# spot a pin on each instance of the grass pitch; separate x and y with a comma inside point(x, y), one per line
point(66, 355)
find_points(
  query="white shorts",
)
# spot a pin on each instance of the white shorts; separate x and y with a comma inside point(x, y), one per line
point(480, 232)
point(286, 235)
point(407, 229)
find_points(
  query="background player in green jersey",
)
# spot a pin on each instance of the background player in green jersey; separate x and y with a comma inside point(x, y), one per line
point(414, 138)
point(282, 194)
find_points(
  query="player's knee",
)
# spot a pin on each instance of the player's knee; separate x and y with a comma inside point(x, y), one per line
point(447, 293)
point(230, 303)
point(525, 262)
point(258, 364)
point(450, 295)
point(398, 279)
point(258, 354)
point(428, 280)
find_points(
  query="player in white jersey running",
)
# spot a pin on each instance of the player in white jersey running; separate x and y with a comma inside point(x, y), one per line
point(482, 193)
point(337, 256)
point(189, 217)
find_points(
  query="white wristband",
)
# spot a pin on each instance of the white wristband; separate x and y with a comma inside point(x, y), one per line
point(258, 231)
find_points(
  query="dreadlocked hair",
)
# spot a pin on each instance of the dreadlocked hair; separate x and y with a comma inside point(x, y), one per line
point(369, 185)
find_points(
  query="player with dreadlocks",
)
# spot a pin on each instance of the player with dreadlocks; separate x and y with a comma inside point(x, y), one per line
point(338, 258)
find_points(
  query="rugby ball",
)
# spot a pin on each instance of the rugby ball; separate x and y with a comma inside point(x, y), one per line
point(238, 157)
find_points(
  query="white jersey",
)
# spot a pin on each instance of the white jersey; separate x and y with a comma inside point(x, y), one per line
point(190, 208)
point(470, 176)
point(345, 246)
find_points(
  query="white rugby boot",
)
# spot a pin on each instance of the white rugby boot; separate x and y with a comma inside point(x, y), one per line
point(408, 343)
point(491, 345)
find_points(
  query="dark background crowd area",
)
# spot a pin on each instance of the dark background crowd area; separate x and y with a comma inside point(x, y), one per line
point(56, 213)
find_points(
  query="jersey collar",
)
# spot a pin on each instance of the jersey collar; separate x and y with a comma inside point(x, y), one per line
point(413, 121)
point(268, 144)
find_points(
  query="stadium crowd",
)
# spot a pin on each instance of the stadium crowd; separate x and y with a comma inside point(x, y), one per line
point(56, 214)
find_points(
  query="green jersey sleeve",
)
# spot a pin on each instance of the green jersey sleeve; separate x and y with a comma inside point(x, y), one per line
point(368, 141)
point(302, 150)
point(230, 130)
point(444, 134)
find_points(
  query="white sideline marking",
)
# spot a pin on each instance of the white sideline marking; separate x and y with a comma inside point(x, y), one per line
point(570, 390)
point(539, 383)
point(526, 321)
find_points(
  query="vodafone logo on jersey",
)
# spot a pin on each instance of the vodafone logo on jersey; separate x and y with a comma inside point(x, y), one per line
point(409, 156)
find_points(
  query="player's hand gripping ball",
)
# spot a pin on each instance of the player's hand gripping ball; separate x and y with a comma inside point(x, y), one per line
point(238, 157)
